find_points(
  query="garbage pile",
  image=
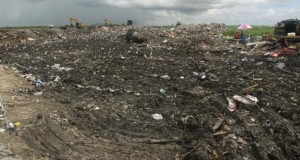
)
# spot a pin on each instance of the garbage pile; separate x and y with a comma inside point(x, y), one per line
point(142, 92)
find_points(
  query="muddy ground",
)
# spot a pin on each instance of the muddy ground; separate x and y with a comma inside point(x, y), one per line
point(107, 89)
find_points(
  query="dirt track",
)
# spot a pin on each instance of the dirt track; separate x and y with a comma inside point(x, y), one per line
point(109, 88)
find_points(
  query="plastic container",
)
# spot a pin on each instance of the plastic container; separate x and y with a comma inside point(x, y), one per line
point(292, 34)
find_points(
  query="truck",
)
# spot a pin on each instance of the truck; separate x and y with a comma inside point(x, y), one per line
point(288, 30)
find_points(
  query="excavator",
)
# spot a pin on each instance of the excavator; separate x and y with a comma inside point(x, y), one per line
point(78, 24)
point(107, 22)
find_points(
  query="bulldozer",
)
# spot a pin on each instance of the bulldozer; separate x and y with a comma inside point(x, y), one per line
point(288, 32)
point(288, 29)
point(78, 24)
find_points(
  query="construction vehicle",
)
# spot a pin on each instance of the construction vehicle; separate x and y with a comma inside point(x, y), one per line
point(78, 24)
point(107, 22)
point(288, 32)
point(288, 29)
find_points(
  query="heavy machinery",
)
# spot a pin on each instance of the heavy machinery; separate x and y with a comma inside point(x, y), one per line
point(107, 22)
point(288, 29)
point(78, 24)
point(288, 32)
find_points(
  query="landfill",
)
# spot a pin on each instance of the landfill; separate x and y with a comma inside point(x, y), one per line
point(148, 92)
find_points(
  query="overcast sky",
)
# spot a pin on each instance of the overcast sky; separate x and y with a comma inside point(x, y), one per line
point(149, 12)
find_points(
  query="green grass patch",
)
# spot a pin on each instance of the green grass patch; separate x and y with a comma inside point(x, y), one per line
point(256, 30)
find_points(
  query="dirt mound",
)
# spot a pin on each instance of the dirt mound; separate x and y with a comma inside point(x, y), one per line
point(166, 98)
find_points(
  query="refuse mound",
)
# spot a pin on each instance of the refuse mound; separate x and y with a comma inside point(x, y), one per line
point(174, 93)
point(135, 37)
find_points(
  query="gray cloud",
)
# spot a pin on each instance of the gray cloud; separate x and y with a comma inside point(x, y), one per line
point(34, 1)
point(57, 12)
point(175, 5)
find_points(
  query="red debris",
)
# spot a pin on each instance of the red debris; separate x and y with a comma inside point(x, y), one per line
point(284, 52)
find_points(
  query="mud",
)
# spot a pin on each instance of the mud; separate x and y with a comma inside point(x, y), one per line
point(109, 87)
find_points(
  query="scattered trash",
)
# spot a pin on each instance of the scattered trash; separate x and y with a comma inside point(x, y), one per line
point(122, 57)
point(242, 141)
point(284, 52)
point(280, 65)
point(165, 77)
point(31, 39)
point(231, 122)
point(202, 75)
point(270, 59)
point(105, 29)
point(162, 91)
point(135, 37)
point(2, 130)
point(38, 84)
point(114, 76)
point(11, 125)
point(157, 116)
point(251, 89)
point(212, 77)
point(184, 120)
point(195, 73)
point(38, 93)
point(154, 75)
point(17, 124)
point(218, 124)
point(248, 99)
point(57, 78)
point(59, 68)
point(220, 133)
point(231, 105)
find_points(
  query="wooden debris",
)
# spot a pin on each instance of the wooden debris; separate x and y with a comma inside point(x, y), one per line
point(218, 124)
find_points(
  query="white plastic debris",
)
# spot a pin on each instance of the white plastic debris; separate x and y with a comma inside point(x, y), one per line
point(58, 67)
point(248, 99)
point(11, 125)
point(157, 116)
point(231, 105)
point(57, 78)
point(172, 29)
point(280, 65)
point(162, 91)
point(202, 75)
point(165, 77)
point(252, 98)
point(104, 29)
point(181, 77)
point(38, 93)
point(122, 57)
point(184, 120)
point(31, 39)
